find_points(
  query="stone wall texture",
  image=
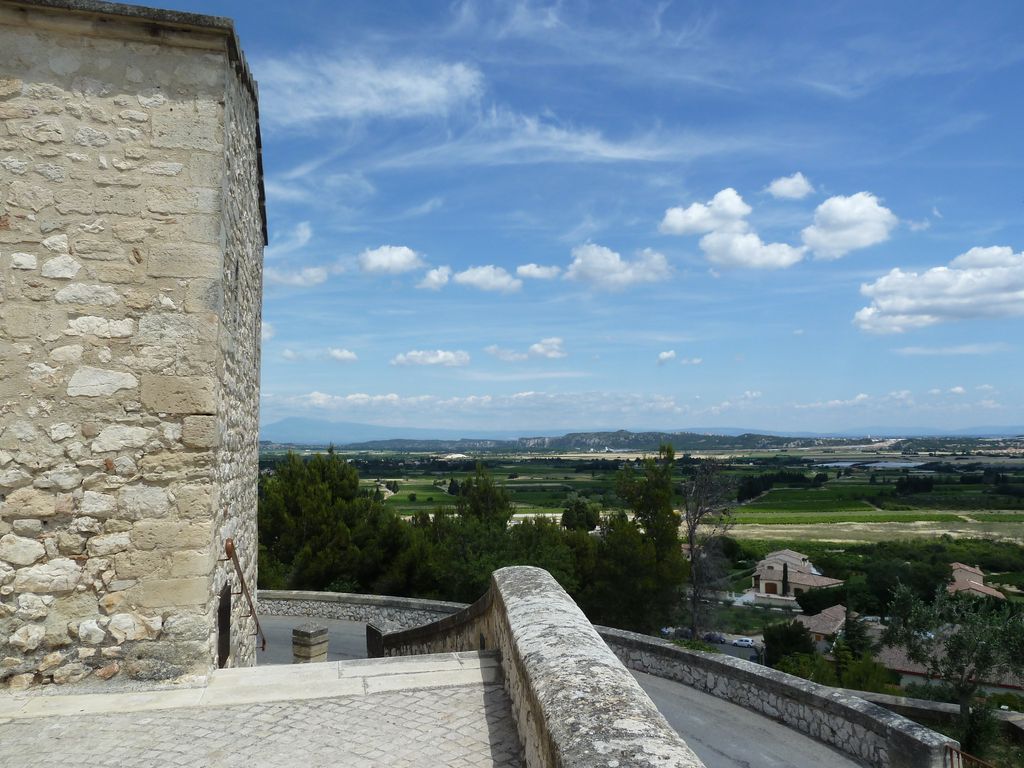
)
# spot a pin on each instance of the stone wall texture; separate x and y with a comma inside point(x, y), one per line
point(574, 703)
point(865, 731)
point(131, 236)
point(388, 614)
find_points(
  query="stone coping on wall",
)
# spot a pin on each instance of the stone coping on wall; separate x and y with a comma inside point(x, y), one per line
point(575, 704)
point(926, 711)
point(861, 729)
point(387, 613)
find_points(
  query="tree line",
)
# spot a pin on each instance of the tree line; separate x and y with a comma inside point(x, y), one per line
point(320, 531)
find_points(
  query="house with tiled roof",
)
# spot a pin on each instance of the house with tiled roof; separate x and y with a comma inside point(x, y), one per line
point(784, 574)
point(970, 580)
point(824, 626)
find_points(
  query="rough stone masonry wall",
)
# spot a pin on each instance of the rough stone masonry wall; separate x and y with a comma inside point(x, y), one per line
point(865, 731)
point(123, 394)
point(575, 704)
point(236, 428)
point(388, 614)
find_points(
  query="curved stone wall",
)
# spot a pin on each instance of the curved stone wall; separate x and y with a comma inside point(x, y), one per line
point(863, 730)
point(388, 614)
point(575, 704)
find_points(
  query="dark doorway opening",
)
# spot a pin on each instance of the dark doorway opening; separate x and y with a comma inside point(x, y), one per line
point(224, 627)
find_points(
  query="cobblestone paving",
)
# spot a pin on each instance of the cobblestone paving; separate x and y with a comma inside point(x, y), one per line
point(463, 727)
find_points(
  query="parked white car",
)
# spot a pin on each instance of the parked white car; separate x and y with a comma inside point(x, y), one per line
point(743, 642)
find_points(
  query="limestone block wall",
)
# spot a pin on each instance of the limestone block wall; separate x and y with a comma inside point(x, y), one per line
point(131, 232)
point(386, 613)
point(865, 731)
point(574, 703)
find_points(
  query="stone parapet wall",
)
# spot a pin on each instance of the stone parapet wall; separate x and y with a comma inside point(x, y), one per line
point(130, 248)
point(388, 614)
point(574, 703)
point(863, 730)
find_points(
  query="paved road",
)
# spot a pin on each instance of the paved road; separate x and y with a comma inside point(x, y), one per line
point(725, 735)
point(722, 734)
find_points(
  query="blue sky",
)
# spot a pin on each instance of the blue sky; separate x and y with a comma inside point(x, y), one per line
point(577, 215)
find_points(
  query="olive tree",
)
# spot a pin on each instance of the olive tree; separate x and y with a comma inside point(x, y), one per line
point(960, 639)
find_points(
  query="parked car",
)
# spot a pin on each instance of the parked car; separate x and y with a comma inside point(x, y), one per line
point(743, 642)
point(683, 633)
point(713, 637)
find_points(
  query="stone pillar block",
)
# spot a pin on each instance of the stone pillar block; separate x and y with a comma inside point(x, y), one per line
point(309, 643)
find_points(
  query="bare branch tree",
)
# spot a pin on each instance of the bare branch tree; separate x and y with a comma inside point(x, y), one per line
point(706, 519)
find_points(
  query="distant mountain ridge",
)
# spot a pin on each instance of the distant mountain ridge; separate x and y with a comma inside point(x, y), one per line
point(300, 431)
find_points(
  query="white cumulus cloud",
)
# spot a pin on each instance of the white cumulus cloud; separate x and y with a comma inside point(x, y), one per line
point(390, 259)
point(957, 391)
point(726, 211)
point(537, 272)
point(738, 249)
point(550, 348)
point(342, 355)
point(432, 357)
point(604, 268)
point(266, 331)
point(289, 354)
point(691, 361)
point(488, 278)
point(728, 241)
point(983, 282)
point(844, 224)
point(664, 357)
point(795, 187)
point(435, 279)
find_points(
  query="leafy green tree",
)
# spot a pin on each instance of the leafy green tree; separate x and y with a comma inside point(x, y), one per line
point(960, 639)
point(785, 639)
point(855, 635)
point(649, 495)
point(625, 588)
point(810, 666)
point(817, 600)
point(482, 499)
point(580, 513)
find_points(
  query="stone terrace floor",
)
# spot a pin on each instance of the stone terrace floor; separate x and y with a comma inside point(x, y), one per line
point(439, 710)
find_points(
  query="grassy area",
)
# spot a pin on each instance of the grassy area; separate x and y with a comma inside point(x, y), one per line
point(746, 620)
point(830, 519)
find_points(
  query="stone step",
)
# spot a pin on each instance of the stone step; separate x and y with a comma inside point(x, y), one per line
point(247, 685)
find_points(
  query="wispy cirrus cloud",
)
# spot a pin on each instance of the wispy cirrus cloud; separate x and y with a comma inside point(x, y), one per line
point(979, 348)
point(304, 277)
point(303, 91)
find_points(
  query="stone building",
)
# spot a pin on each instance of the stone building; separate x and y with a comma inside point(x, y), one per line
point(131, 240)
point(784, 574)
